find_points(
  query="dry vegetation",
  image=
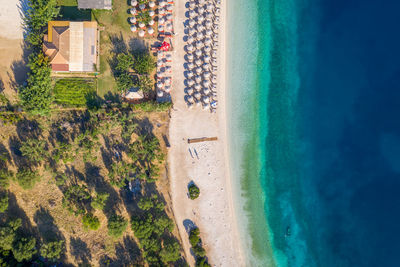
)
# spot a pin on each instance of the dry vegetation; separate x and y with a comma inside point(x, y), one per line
point(41, 208)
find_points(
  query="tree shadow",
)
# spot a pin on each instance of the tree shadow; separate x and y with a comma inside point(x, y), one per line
point(189, 225)
point(4, 156)
point(19, 69)
point(27, 129)
point(16, 155)
point(47, 229)
point(15, 211)
point(118, 43)
point(80, 251)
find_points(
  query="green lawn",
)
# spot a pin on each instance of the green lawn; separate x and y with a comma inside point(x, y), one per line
point(74, 14)
point(73, 92)
point(67, 2)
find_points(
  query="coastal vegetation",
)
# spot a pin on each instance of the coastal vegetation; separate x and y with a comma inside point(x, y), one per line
point(194, 191)
point(198, 251)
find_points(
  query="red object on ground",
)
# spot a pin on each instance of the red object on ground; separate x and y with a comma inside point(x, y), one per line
point(164, 46)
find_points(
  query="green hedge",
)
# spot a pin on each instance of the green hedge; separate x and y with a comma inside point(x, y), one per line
point(74, 91)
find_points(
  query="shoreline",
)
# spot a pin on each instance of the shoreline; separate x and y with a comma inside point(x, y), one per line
point(214, 211)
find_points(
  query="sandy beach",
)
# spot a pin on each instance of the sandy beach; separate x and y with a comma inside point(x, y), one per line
point(206, 163)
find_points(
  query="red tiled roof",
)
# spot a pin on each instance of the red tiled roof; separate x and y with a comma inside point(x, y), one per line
point(60, 67)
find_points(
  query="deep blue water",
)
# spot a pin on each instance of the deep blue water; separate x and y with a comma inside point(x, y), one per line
point(333, 144)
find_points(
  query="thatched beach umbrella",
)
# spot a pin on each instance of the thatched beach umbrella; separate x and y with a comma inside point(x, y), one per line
point(134, 2)
point(150, 30)
point(141, 33)
point(152, 13)
point(152, 4)
point(133, 11)
point(132, 20)
point(133, 28)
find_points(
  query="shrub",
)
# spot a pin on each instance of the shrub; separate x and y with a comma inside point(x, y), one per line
point(3, 201)
point(75, 199)
point(24, 248)
point(90, 222)
point(199, 251)
point(27, 178)
point(194, 236)
point(194, 191)
point(34, 150)
point(202, 262)
point(5, 177)
point(52, 250)
point(117, 225)
point(170, 252)
point(146, 84)
point(99, 202)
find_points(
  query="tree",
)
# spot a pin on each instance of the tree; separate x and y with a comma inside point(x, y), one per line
point(27, 178)
point(3, 201)
point(170, 252)
point(75, 199)
point(24, 248)
point(202, 262)
point(5, 177)
point(144, 63)
point(52, 250)
point(117, 225)
point(90, 222)
point(194, 236)
point(124, 62)
point(145, 84)
point(119, 173)
point(146, 203)
point(199, 251)
point(34, 149)
point(8, 234)
point(36, 97)
point(99, 202)
point(194, 191)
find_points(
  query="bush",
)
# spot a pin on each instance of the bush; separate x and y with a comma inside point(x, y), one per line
point(52, 250)
point(170, 252)
point(199, 251)
point(99, 202)
point(27, 178)
point(194, 236)
point(194, 191)
point(24, 249)
point(5, 177)
point(3, 201)
point(145, 84)
point(34, 150)
point(90, 222)
point(202, 262)
point(117, 225)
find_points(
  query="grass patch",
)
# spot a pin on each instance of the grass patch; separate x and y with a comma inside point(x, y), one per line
point(74, 91)
point(74, 14)
point(67, 2)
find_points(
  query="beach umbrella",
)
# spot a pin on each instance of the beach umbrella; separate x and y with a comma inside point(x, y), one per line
point(198, 70)
point(201, 2)
point(206, 74)
point(134, 3)
point(209, 32)
point(169, 7)
point(206, 106)
point(161, 20)
point(206, 91)
point(189, 74)
point(151, 22)
point(168, 69)
point(206, 66)
point(189, 90)
point(161, 11)
point(150, 30)
point(142, 6)
point(207, 48)
point(190, 39)
point(208, 24)
point(132, 20)
point(142, 25)
point(192, 5)
point(190, 99)
point(197, 95)
point(189, 47)
point(133, 11)
point(141, 33)
point(159, 62)
point(198, 53)
point(152, 4)
point(167, 88)
point(189, 56)
point(197, 79)
point(207, 58)
point(192, 13)
point(169, 16)
point(191, 22)
point(213, 104)
point(215, 36)
point(214, 53)
point(191, 31)
point(200, 19)
point(206, 83)
point(168, 57)
point(167, 80)
point(168, 27)
point(189, 82)
point(160, 28)
point(159, 73)
point(209, 7)
point(190, 65)
point(207, 41)
point(214, 61)
point(209, 16)
point(133, 28)
point(152, 13)
point(162, 3)
point(199, 44)
point(199, 36)
point(200, 10)
point(206, 99)
point(160, 84)
point(160, 93)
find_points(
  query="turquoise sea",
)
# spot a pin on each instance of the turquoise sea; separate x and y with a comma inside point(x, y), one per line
point(313, 102)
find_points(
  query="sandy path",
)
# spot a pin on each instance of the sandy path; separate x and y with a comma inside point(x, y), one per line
point(213, 210)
